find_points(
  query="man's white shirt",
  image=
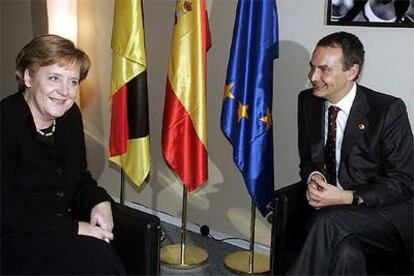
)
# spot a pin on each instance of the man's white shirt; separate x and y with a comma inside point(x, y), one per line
point(345, 105)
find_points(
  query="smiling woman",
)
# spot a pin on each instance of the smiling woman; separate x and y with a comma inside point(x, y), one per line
point(52, 210)
point(49, 77)
point(50, 92)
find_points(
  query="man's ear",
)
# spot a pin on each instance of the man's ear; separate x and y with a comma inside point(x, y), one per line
point(27, 78)
point(354, 72)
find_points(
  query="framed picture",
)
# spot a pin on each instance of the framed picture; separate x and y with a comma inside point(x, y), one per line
point(371, 13)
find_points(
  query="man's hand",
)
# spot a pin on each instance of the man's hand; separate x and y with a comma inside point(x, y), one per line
point(321, 194)
point(87, 229)
point(101, 216)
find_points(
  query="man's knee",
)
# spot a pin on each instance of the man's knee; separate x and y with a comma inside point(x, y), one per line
point(349, 248)
point(337, 216)
point(327, 218)
point(348, 258)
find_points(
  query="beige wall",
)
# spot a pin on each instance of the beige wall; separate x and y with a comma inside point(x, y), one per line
point(223, 203)
point(19, 21)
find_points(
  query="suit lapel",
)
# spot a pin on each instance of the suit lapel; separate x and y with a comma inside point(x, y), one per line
point(356, 124)
point(317, 138)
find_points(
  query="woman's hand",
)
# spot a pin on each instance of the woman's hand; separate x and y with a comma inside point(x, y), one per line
point(101, 216)
point(87, 229)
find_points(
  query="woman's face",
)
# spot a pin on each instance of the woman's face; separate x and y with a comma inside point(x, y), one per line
point(53, 90)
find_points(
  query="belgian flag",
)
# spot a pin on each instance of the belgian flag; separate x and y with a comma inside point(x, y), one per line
point(129, 135)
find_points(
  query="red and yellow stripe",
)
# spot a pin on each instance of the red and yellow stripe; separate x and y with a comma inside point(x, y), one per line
point(184, 132)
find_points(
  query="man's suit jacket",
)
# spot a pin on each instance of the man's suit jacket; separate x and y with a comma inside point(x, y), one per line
point(377, 155)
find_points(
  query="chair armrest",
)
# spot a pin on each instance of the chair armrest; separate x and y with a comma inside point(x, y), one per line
point(137, 240)
point(293, 198)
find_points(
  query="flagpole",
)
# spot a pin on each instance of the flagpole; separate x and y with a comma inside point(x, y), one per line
point(121, 192)
point(183, 227)
point(183, 255)
point(252, 234)
point(248, 262)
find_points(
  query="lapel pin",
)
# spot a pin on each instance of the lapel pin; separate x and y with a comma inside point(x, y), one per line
point(361, 126)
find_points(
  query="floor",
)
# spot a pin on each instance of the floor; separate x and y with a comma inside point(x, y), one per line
point(217, 252)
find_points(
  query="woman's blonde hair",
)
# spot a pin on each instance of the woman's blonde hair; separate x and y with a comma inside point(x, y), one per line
point(46, 50)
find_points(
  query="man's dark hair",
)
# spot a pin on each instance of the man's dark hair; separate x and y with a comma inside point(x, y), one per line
point(352, 48)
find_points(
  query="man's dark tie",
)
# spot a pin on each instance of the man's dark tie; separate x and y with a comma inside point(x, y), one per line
point(330, 147)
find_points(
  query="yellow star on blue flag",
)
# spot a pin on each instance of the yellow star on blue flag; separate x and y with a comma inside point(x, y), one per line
point(246, 117)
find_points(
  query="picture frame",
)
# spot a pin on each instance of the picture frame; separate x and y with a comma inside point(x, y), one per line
point(371, 13)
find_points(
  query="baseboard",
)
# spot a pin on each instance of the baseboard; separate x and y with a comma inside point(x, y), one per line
point(196, 228)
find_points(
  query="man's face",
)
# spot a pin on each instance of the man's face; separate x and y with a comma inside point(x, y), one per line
point(329, 80)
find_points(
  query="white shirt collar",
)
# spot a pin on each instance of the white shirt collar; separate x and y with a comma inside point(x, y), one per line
point(346, 102)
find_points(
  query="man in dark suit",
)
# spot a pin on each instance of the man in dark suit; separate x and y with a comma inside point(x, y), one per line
point(357, 160)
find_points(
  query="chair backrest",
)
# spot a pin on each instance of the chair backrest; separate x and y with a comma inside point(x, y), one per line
point(137, 240)
point(278, 235)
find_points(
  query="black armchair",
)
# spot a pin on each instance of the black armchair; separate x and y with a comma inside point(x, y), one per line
point(287, 231)
point(137, 240)
point(288, 234)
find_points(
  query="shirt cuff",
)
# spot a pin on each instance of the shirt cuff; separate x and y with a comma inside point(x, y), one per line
point(316, 172)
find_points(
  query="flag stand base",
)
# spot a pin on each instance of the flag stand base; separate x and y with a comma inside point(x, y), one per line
point(239, 262)
point(248, 262)
point(194, 256)
point(183, 255)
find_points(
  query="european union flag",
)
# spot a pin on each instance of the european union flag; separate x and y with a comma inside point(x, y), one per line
point(246, 117)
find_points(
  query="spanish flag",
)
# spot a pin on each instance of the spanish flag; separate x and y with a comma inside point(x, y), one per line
point(184, 130)
point(129, 135)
